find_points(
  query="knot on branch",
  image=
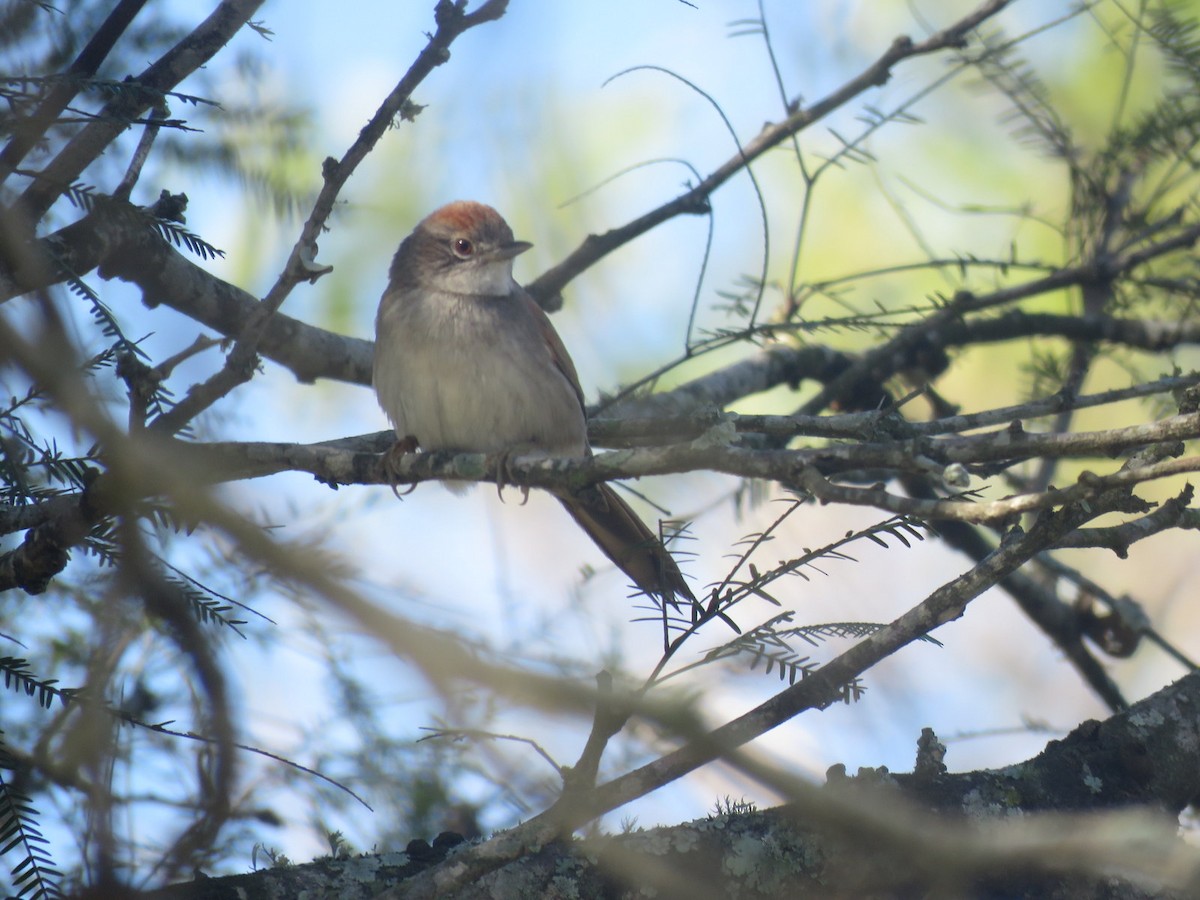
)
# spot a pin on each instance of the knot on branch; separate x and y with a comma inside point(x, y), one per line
point(41, 556)
point(447, 12)
point(170, 206)
point(931, 754)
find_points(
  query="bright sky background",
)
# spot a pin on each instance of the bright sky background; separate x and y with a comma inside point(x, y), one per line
point(520, 118)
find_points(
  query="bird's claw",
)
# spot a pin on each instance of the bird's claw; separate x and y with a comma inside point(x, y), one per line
point(504, 476)
point(391, 464)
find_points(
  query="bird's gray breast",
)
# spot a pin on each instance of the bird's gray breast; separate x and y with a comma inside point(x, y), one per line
point(471, 373)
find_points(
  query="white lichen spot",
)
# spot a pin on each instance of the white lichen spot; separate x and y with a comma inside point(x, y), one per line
point(1094, 784)
point(722, 434)
point(1146, 718)
point(362, 869)
point(566, 887)
point(686, 840)
point(653, 843)
point(743, 858)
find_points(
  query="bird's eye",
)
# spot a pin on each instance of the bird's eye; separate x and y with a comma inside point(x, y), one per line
point(463, 248)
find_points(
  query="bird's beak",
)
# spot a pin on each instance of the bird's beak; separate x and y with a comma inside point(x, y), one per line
point(509, 250)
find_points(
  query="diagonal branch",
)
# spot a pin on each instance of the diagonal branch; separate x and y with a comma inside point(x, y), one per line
point(29, 131)
point(695, 201)
point(820, 689)
point(241, 363)
point(204, 42)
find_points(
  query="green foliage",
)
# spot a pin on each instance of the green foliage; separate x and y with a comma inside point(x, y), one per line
point(209, 607)
point(773, 647)
point(45, 691)
point(1033, 115)
point(34, 874)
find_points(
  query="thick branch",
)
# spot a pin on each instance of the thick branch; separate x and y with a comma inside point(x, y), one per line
point(648, 426)
point(820, 689)
point(1142, 334)
point(334, 463)
point(166, 276)
point(1084, 818)
point(358, 461)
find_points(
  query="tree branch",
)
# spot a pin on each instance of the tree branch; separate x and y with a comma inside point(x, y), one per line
point(166, 276)
point(336, 463)
point(163, 75)
point(596, 247)
point(31, 128)
point(823, 687)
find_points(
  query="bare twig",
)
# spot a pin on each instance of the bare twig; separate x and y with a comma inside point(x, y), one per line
point(695, 200)
point(241, 363)
point(164, 74)
point(31, 128)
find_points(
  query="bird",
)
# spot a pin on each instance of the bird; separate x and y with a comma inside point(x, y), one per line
point(466, 361)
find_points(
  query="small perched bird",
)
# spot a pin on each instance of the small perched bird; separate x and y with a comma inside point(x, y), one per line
point(466, 360)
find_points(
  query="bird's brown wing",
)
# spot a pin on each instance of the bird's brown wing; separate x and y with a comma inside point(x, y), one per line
point(608, 520)
point(554, 345)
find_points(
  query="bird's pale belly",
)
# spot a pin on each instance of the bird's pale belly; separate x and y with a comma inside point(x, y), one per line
point(487, 402)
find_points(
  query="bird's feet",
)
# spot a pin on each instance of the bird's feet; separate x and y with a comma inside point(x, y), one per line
point(391, 464)
point(505, 475)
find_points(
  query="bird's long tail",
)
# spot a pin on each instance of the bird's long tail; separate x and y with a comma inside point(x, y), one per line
point(628, 542)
